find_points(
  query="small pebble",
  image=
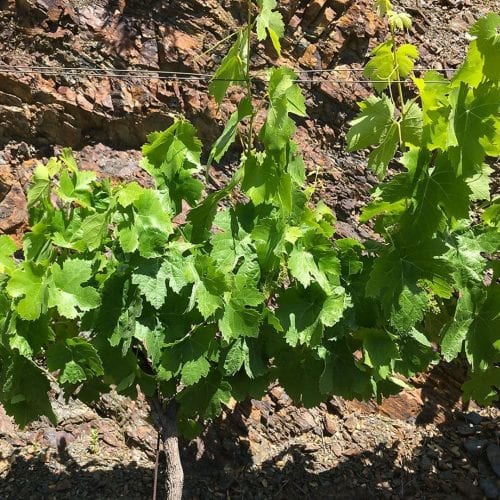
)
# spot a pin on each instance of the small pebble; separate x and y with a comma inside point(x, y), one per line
point(465, 430)
point(489, 488)
point(475, 446)
point(473, 418)
point(493, 454)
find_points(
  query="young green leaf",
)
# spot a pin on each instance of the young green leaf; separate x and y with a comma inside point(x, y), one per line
point(232, 70)
point(65, 290)
point(7, 249)
point(228, 136)
point(28, 283)
point(40, 185)
point(285, 98)
point(151, 275)
point(270, 21)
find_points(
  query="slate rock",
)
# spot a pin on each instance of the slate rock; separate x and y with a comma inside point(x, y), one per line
point(475, 446)
point(489, 488)
point(493, 454)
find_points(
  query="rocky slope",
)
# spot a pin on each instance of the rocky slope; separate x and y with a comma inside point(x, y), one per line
point(71, 102)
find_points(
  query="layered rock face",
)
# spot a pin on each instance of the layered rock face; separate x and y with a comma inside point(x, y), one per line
point(62, 81)
point(78, 95)
point(74, 108)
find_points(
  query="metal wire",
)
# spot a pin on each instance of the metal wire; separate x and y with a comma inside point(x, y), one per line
point(180, 75)
point(185, 76)
point(137, 71)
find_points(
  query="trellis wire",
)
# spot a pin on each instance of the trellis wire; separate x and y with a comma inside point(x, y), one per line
point(141, 74)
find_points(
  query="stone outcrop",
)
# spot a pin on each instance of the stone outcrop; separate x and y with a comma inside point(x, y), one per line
point(73, 109)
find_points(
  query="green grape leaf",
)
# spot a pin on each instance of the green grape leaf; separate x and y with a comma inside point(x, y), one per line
point(76, 359)
point(399, 20)
point(179, 269)
point(473, 126)
point(379, 158)
point(303, 314)
point(152, 340)
point(383, 7)
point(40, 185)
point(209, 287)
point(152, 212)
point(150, 275)
point(235, 357)
point(411, 124)
point(397, 274)
point(372, 122)
point(7, 249)
point(65, 290)
point(172, 158)
point(232, 69)
point(75, 186)
point(491, 214)
point(202, 216)
point(479, 184)
point(341, 374)
point(471, 70)
point(483, 386)
point(168, 152)
point(440, 192)
point(146, 224)
point(484, 332)
point(379, 349)
point(28, 283)
point(334, 307)
point(302, 266)
point(433, 92)
point(406, 55)
point(416, 353)
point(285, 97)
point(191, 357)
point(228, 136)
point(24, 390)
point(455, 332)
point(231, 243)
point(381, 67)
point(270, 20)
point(94, 230)
point(239, 321)
point(129, 193)
point(204, 398)
point(299, 372)
point(409, 311)
point(488, 43)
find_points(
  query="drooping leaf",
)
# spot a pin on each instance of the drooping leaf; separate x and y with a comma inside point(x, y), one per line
point(228, 136)
point(76, 359)
point(232, 69)
point(270, 21)
point(24, 390)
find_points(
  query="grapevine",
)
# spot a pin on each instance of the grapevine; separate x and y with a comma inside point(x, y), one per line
point(110, 291)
